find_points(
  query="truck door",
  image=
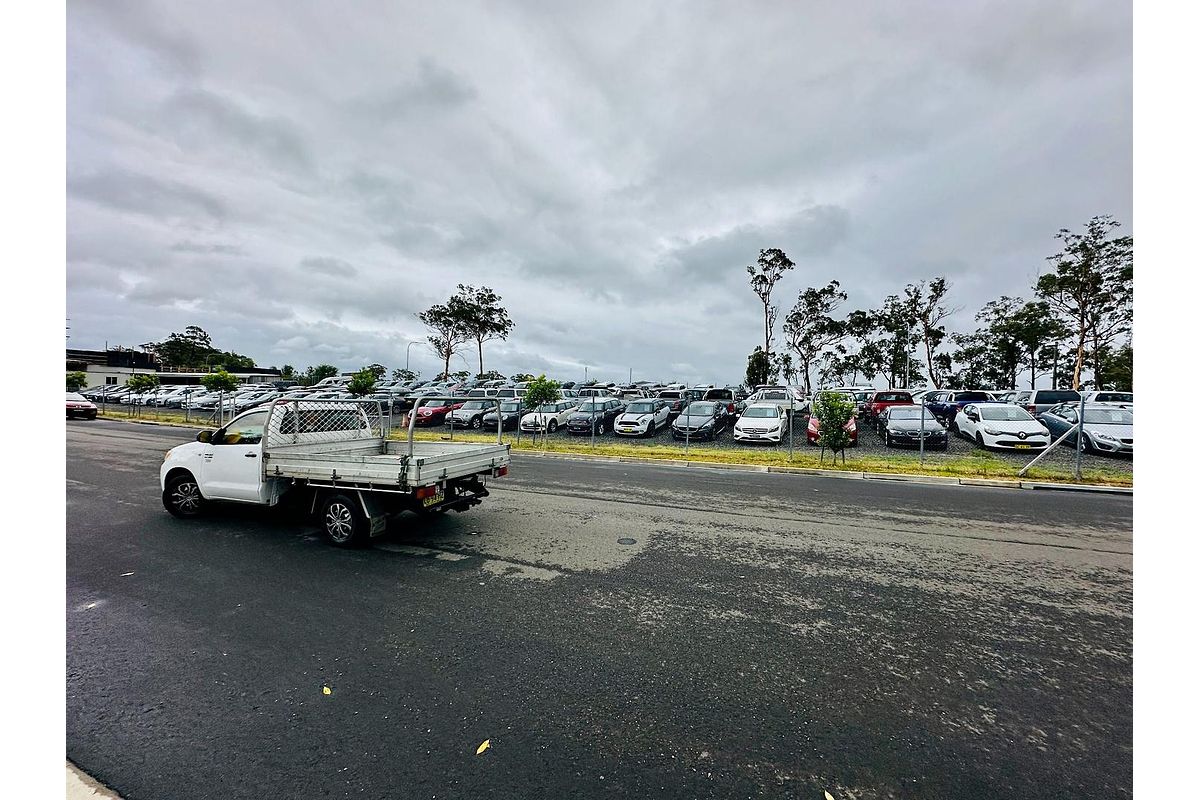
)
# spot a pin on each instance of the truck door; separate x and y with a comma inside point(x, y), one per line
point(233, 466)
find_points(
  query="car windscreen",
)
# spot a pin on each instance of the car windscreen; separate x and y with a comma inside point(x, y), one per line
point(1114, 397)
point(640, 408)
point(1004, 414)
point(669, 395)
point(761, 412)
point(1053, 397)
point(510, 406)
point(597, 406)
point(701, 409)
point(893, 397)
point(904, 412)
point(548, 408)
point(774, 396)
point(1107, 416)
point(475, 405)
point(970, 397)
point(75, 397)
point(861, 396)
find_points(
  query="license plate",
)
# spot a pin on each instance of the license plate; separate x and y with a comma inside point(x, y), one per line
point(433, 501)
point(1020, 446)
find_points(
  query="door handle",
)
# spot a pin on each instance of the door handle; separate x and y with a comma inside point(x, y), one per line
point(251, 455)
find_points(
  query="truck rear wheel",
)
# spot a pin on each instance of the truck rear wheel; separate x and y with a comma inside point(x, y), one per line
point(182, 496)
point(342, 521)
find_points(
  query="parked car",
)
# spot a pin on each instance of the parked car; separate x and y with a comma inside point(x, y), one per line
point(878, 401)
point(675, 399)
point(1118, 399)
point(434, 412)
point(761, 422)
point(598, 412)
point(548, 417)
point(728, 397)
point(1041, 400)
point(470, 414)
point(1005, 397)
point(1106, 429)
point(701, 419)
point(642, 417)
point(813, 431)
point(80, 406)
point(945, 405)
point(1001, 426)
point(784, 397)
point(906, 426)
point(510, 410)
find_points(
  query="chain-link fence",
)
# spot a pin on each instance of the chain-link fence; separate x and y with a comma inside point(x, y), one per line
point(318, 422)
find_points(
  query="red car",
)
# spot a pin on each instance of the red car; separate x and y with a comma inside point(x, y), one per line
point(814, 430)
point(881, 400)
point(434, 413)
point(80, 406)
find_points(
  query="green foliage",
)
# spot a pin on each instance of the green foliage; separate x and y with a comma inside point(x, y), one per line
point(460, 375)
point(219, 381)
point(142, 382)
point(378, 370)
point(318, 373)
point(1091, 287)
point(404, 375)
point(542, 390)
point(194, 348)
point(363, 382)
point(76, 381)
point(482, 317)
point(521, 376)
point(287, 373)
point(772, 263)
point(758, 368)
point(490, 375)
point(833, 410)
point(929, 313)
point(809, 329)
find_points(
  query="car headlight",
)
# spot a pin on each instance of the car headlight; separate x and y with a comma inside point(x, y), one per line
point(167, 454)
point(991, 432)
point(895, 431)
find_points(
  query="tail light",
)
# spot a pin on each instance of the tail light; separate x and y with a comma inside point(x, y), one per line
point(500, 473)
point(1031, 409)
point(426, 491)
point(731, 408)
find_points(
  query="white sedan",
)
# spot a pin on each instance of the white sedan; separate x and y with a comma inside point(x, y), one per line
point(549, 416)
point(642, 417)
point(1002, 426)
point(761, 422)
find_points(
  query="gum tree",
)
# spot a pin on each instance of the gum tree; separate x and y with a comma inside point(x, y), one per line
point(772, 263)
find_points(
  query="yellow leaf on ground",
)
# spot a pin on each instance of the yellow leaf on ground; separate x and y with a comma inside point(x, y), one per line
point(486, 744)
point(326, 690)
point(828, 796)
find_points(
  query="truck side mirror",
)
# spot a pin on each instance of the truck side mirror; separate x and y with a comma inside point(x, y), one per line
point(204, 436)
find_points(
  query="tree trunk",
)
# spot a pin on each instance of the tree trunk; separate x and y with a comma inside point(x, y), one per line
point(1032, 370)
point(1079, 359)
point(767, 333)
point(929, 361)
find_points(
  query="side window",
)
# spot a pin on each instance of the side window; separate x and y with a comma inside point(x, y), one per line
point(247, 430)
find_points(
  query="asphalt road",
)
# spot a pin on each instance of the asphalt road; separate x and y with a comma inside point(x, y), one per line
point(614, 630)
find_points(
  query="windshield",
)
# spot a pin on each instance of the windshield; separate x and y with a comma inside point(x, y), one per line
point(76, 397)
point(904, 412)
point(761, 412)
point(958, 396)
point(893, 397)
point(1115, 397)
point(510, 406)
point(588, 408)
point(472, 405)
point(701, 409)
point(774, 396)
point(548, 408)
point(1052, 397)
point(1005, 413)
point(861, 396)
point(1108, 416)
point(640, 408)
point(669, 395)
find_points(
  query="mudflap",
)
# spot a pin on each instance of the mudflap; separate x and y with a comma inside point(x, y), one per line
point(375, 513)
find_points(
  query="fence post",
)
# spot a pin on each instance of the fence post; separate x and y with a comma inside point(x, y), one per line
point(1079, 441)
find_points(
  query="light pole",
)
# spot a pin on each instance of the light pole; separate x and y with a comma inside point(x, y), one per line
point(407, 353)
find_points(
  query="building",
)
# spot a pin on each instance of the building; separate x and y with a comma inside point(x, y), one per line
point(115, 367)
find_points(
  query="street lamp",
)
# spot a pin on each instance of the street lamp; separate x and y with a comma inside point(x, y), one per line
point(407, 352)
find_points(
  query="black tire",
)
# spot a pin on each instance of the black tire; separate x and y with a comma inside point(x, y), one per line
point(952, 426)
point(979, 441)
point(552, 426)
point(342, 521)
point(182, 496)
point(887, 439)
point(1087, 445)
point(476, 423)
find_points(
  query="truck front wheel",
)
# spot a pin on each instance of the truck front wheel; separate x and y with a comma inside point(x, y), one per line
point(343, 522)
point(182, 496)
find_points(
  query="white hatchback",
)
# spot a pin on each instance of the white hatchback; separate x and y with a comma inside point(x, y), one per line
point(1002, 426)
point(761, 422)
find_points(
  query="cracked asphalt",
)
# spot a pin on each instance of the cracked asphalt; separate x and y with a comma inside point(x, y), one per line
point(763, 635)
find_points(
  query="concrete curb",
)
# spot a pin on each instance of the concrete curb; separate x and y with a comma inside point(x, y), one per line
point(812, 471)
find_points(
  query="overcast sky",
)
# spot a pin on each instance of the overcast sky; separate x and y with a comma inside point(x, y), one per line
point(299, 179)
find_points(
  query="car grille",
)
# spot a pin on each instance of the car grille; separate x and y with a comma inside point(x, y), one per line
point(754, 430)
point(919, 434)
point(1032, 441)
point(1127, 441)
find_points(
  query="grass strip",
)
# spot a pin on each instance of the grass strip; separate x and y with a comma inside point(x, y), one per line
point(980, 464)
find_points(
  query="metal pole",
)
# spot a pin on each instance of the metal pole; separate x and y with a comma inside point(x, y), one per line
point(687, 430)
point(1079, 441)
point(791, 429)
point(592, 403)
point(922, 434)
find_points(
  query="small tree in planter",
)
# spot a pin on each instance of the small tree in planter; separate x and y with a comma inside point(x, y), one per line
point(540, 391)
point(141, 383)
point(76, 381)
point(362, 383)
point(833, 411)
point(220, 381)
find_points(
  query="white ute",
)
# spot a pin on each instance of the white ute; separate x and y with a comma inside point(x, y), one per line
point(335, 458)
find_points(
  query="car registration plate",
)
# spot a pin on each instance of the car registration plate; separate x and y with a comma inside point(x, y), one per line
point(1020, 446)
point(434, 500)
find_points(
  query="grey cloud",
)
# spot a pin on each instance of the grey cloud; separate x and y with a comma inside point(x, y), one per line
point(203, 120)
point(433, 88)
point(200, 248)
point(144, 194)
point(329, 266)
